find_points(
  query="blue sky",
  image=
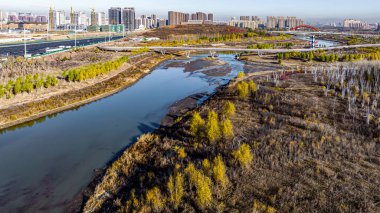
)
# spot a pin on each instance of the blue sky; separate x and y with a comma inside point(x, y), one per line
point(223, 9)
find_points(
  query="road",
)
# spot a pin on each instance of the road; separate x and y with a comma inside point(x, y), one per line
point(40, 47)
point(230, 49)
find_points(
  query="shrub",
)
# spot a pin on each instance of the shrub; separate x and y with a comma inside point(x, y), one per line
point(17, 86)
point(227, 128)
point(39, 82)
point(206, 166)
point(241, 75)
point(243, 155)
point(219, 171)
point(202, 184)
point(27, 84)
point(154, 197)
point(181, 152)
point(175, 188)
point(242, 90)
point(196, 124)
point(229, 109)
point(213, 131)
point(252, 86)
point(140, 50)
point(2, 91)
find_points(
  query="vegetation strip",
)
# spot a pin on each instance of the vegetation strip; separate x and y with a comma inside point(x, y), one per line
point(84, 95)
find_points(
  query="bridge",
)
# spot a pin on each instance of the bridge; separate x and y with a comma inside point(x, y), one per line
point(214, 50)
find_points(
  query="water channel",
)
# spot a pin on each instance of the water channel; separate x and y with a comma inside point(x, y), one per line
point(46, 163)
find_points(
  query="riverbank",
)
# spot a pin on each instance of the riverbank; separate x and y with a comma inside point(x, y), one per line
point(290, 149)
point(89, 91)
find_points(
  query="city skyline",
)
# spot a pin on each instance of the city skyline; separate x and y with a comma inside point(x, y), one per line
point(223, 10)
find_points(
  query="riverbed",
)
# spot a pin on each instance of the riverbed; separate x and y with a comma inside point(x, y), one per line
point(45, 164)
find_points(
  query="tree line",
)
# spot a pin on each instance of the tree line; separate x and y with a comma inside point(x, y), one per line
point(28, 84)
point(93, 70)
point(286, 45)
point(323, 57)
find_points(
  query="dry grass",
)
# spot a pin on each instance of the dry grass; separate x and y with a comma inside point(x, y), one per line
point(309, 155)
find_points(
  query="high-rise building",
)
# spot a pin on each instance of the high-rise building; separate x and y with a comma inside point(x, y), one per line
point(146, 22)
point(162, 23)
point(41, 19)
point(244, 18)
point(93, 18)
point(243, 24)
point(355, 24)
point(176, 18)
point(193, 16)
point(291, 22)
point(281, 22)
point(12, 18)
point(256, 18)
point(114, 15)
point(56, 18)
point(129, 18)
point(2, 19)
point(100, 18)
point(210, 17)
point(154, 20)
point(73, 19)
point(271, 22)
point(201, 16)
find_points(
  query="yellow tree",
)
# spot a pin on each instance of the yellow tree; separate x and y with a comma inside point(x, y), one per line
point(154, 198)
point(241, 75)
point(227, 128)
point(229, 109)
point(252, 86)
point(175, 188)
point(202, 183)
point(243, 155)
point(213, 130)
point(196, 124)
point(219, 171)
point(242, 90)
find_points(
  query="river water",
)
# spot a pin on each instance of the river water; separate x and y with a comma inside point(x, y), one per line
point(319, 42)
point(45, 164)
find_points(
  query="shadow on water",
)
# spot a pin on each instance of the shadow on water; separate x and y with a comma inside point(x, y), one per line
point(143, 128)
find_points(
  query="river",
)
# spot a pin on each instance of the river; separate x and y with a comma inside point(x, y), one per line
point(319, 42)
point(45, 164)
